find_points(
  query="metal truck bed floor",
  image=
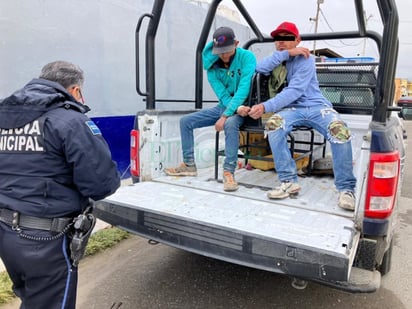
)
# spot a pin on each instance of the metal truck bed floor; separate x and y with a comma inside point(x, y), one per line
point(317, 193)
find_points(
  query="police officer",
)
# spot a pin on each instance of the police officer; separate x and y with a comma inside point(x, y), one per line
point(53, 159)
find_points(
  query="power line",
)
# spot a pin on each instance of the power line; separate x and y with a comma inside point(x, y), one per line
point(316, 19)
point(326, 20)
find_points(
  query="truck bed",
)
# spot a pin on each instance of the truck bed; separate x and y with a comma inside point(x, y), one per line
point(308, 237)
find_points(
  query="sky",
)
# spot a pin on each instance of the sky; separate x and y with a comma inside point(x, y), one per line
point(335, 15)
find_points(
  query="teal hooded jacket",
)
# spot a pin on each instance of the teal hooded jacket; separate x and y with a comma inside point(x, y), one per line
point(231, 85)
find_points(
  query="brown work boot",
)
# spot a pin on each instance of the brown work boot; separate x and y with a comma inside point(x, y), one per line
point(229, 183)
point(181, 170)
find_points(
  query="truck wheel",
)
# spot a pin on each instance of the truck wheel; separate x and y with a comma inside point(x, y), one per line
point(385, 267)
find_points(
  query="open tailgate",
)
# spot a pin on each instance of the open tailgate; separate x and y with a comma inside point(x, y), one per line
point(259, 234)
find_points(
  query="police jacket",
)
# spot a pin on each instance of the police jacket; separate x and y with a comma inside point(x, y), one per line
point(53, 158)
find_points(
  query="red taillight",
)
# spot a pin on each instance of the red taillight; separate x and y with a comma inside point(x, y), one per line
point(382, 184)
point(134, 153)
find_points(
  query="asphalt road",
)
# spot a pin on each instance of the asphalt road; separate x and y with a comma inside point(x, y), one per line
point(135, 274)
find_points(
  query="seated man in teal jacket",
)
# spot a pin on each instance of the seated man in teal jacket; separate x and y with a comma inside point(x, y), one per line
point(229, 70)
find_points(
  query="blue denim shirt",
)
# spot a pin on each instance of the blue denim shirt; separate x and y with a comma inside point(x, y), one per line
point(303, 86)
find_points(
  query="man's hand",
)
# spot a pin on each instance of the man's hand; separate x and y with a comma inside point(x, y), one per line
point(220, 124)
point(243, 110)
point(257, 111)
point(299, 51)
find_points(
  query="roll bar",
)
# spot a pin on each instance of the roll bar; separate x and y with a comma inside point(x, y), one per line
point(387, 44)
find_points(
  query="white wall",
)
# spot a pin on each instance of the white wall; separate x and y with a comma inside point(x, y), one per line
point(99, 35)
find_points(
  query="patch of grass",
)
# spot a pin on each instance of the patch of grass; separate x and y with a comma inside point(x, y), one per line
point(104, 239)
point(6, 293)
point(99, 241)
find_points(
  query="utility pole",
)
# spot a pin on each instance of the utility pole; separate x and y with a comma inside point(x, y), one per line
point(366, 26)
point(316, 20)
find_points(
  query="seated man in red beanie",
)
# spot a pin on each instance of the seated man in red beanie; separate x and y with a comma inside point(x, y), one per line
point(301, 103)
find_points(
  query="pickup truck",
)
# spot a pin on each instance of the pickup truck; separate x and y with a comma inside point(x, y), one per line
point(308, 238)
point(406, 104)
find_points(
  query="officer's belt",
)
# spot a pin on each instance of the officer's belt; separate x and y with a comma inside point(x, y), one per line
point(17, 220)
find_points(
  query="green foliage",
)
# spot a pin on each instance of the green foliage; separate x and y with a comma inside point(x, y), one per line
point(98, 242)
point(104, 239)
point(6, 293)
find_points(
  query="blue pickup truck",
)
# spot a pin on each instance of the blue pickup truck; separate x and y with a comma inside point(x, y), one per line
point(308, 238)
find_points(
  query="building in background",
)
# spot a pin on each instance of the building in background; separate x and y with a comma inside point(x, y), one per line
point(403, 88)
point(222, 10)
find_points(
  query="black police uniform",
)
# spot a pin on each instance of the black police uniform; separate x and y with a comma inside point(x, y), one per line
point(53, 158)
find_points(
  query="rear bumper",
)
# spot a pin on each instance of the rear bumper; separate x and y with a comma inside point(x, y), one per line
point(360, 281)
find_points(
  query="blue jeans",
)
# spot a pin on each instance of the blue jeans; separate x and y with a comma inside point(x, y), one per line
point(318, 117)
point(208, 117)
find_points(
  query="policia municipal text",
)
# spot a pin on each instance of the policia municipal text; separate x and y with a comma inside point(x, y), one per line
point(53, 162)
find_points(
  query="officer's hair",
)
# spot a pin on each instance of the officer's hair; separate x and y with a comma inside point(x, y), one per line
point(65, 73)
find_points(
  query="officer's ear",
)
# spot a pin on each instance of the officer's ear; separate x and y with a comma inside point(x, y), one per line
point(76, 93)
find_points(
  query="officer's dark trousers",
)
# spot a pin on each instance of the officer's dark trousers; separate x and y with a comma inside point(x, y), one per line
point(42, 274)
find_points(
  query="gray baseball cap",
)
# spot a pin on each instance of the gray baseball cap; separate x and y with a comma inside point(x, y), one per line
point(223, 40)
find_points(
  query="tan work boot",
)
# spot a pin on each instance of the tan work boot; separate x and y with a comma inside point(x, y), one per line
point(285, 190)
point(229, 183)
point(181, 170)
